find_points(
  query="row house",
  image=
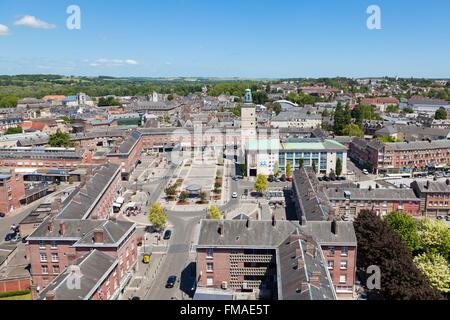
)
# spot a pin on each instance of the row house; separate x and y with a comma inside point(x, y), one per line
point(257, 256)
point(434, 197)
point(351, 201)
point(56, 243)
point(12, 190)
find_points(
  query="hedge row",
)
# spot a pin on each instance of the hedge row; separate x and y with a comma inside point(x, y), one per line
point(14, 293)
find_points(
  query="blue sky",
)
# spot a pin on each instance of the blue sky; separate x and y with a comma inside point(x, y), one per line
point(226, 38)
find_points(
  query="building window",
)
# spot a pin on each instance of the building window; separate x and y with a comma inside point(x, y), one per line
point(344, 264)
point(209, 267)
point(55, 257)
point(43, 257)
point(209, 281)
point(209, 253)
point(53, 245)
point(330, 264)
point(330, 251)
point(344, 251)
point(343, 278)
point(44, 269)
point(41, 245)
point(56, 269)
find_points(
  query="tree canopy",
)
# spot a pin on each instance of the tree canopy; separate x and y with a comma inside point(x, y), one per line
point(353, 130)
point(157, 216)
point(379, 245)
point(214, 213)
point(435, 236)
point(435, 267)
point(342, 118)
point(338, 167)
point(60, 139)
point(405, 227)
point(13, 130)
point(441, 114)
point(261, 183)
point(8, 101)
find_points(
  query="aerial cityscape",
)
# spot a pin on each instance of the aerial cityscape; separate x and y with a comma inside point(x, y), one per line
point(184, 170)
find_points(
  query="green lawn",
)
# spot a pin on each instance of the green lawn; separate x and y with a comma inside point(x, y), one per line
point(23, 297)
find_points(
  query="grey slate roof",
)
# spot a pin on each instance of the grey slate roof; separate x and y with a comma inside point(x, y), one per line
point(323, 235)
point(418, 145)
point(94, 268)
point(83, 201)
point(434, 186)
point(290, 277)
point(81, 231)
point(374, 194)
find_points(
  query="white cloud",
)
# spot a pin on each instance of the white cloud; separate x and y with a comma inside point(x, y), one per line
point(4, 30)
point(112, 62)
point(33, 22)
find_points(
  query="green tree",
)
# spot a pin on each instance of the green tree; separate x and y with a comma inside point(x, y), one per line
point(338, 167)
point(434, 236)
point(261, 183)
point(276, 107)
point(157, 216)
point(13, 130)
point(405, 227)
point(276, 169)
point(392, 109)
point(242, 170)
point(8, 101)
point(202, 197)
point(60, 139)
point(288, 169)
point(378, 245)
point(436, 268)
point(214, 213)
point(408, 110)
point(441, 114)
point(170, 192)
point(183, 196)
point(352, 130)
point(342, 118)
point(260, 97)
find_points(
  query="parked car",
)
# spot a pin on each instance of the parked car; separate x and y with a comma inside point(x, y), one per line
point(171, 282)
point(283, 178)
point(290, 178)
point(271, 178)
point(12, 237)
point(234, 195)
point(350, 173)
point(167, 234)
point(365, 171)
point(277, 180)
point(2, 215)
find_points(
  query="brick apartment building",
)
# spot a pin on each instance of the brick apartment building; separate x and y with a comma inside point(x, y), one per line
point(101, 280)
point(400, 157)
point(43, 157)
point(256, 256)
point(434, 197)
point(57, 243)
point(351, 201)
point(12, 189)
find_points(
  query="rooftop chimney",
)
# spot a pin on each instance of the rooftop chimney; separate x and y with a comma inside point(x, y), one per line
point(315, 278)
point(50, 226)
point(447, 182)
point(309, 245)
point(300, 263)
point(247, 224)
point(62, 228)
point(274, 222)
point(334, 227)
point(98, 236)
point(427, 186)
point(51, 295)
point(304, 287)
